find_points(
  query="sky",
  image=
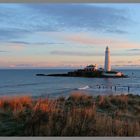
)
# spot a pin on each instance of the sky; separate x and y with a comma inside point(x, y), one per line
point(69, 35)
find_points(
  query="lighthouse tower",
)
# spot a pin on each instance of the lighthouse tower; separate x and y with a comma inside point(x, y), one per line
point(107, 66)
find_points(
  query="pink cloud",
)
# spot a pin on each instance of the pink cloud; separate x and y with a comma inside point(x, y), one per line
point(17, 46)
point(86, 39)
point(89, 39)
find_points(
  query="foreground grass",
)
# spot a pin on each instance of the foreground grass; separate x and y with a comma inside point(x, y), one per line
point(77, 115)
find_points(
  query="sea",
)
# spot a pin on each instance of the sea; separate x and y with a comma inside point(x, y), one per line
point(24, 82)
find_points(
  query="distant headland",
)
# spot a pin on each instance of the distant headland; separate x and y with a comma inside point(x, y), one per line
point(93, 70)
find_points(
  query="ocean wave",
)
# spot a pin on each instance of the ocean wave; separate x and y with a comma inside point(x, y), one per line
point(83, 88)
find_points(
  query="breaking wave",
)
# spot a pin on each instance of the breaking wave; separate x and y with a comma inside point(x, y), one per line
point(83, 88)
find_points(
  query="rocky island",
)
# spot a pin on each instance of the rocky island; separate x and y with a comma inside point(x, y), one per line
point(89, 71)
point(93, 71)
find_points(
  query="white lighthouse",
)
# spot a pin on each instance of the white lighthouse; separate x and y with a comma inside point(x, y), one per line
point(107, 66)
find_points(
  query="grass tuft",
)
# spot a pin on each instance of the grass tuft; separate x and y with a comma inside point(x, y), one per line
point(78, 115)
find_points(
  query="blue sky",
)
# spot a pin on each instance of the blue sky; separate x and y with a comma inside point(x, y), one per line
point(68, 35)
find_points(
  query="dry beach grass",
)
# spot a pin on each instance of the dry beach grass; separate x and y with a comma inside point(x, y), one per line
point(78, 115)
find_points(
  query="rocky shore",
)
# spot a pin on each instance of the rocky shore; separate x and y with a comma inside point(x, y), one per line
point(83, 73)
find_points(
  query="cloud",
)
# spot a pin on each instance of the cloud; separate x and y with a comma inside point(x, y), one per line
point(134, 50)
point(19, 20)
point(84, 38)
point(12, 33)
point(35, 43)
point(20, 42)
point(83, 16)
point(130, 62)
point(71, 53)
point(118, 31)
point(1, 51)
point(23, 65)
point(94, 40)
point(87, 54)
point(17, 47)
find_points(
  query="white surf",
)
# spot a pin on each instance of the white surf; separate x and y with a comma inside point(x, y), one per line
point(83, 88)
